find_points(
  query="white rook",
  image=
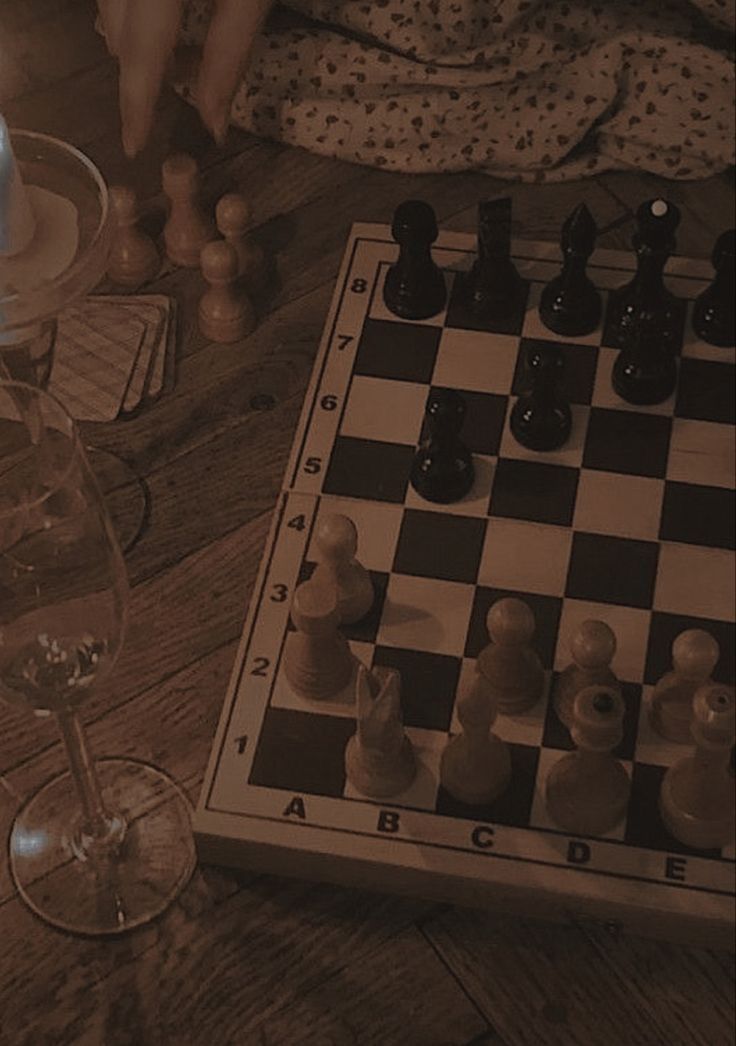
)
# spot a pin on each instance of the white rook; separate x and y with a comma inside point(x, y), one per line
point(17, 223)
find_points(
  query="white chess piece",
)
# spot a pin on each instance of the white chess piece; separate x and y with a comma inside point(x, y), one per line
point(695, 654)
point(592, 647)
point(697, 799)
point(509, 663)
point(379, 758)
point(133, 257)
point(336, 544)
point(318, 662)
point(225, 311)
point(233, 218)
point(476, 766)
point(187, 228)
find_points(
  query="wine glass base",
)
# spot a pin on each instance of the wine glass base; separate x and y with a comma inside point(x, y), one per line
point(125, 494)
point(108, 895)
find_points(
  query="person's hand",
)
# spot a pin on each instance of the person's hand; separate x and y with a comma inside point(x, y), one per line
point(142, 33)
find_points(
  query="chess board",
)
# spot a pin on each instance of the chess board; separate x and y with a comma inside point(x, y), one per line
point(631, 522)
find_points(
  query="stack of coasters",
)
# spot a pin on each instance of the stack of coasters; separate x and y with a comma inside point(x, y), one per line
point(113, 355)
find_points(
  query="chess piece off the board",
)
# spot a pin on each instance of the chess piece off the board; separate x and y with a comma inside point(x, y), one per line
point(379, 757)
point(187, 228)
point(509, 663)
point(541, 418)
point(714, 312)
point(414, 288)
point(570, 304)
point(695, 654)
point(133, 257)
point(592, 648)
point(476, 766)
point(318, 662)
point(336, 541)
point(645, 370)
point(587, 791)
point(442, 470)
point(226, 313)
point(492, 288)
point(233, 220)
point(697, 797)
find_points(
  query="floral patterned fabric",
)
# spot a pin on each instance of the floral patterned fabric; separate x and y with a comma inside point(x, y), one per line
point(536, 90)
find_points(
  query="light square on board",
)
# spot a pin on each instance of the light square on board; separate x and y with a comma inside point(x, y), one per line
point(695, 580)
point(535, 328)
point(539, 817)
point(604, 395)
point(614, 503)
point(422, 792)
point(379, 311)
point(476, 361)
point(630, 626)
point(377, 524)
point(474, 503)
point(390, 411)
point(529, 556)
point(426, 614)
point(702, 452)
point(570, 454)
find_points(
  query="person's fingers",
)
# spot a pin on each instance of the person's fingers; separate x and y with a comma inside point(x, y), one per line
point(112, 13)
point(234, 26)
point(147, 39)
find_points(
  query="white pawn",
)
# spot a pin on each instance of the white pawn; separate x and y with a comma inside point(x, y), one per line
point(133, 257)
point(233, 218)
point(587, 791)
point(225, 311)
point(509, 663)
point(592, 647)
point(187, 229)
point(318, 662)
point(476, 765)
point(695, 654)
point(336, 544)
point(379, 758)
point(697, 799)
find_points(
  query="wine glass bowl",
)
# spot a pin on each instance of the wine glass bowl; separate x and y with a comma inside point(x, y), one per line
point(105, 846)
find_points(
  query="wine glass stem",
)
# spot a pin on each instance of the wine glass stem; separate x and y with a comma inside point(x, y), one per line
point(97, 822)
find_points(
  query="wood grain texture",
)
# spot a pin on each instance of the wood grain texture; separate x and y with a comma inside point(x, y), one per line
point(244, 958)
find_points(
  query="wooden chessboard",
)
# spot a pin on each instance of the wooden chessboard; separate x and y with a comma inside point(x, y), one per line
point(631, 522)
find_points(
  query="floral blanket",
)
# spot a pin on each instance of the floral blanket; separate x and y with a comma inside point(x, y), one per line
point(535, 90)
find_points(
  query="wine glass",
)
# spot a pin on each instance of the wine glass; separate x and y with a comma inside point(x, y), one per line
point(107, 845)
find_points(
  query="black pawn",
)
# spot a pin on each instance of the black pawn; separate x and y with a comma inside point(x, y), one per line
point(541, 418)
point(570, 304)
point(715, 310)
point(415, 287)
point(492, 288)
point(654, 241)
point(443, 466)
point(645, 372)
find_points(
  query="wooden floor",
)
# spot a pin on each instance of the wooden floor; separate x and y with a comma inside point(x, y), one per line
point(246, 959)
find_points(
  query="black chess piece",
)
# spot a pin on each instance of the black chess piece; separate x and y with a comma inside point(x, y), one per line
point(492, 287)
point(415, 287)
point(645, 371)
point(541, 417)
point(570, 305)
point(654, 241)
point(714, 311)
point(443, 466)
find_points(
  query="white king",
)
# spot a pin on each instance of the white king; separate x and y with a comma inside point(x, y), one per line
point(17, 223)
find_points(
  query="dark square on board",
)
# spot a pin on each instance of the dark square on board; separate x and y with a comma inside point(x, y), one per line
point(439, 545)
point(513, 806)
point(627, 441)
point(302, 752)
point(665, 628)
point(460, 316)
point(644, 826)
point(605, 569)
point(578, 378)
point(428, 685)
point(534, 490)
point(546, 610)
point(484, 420)
point(706, 390)
point(402, 351)
point(361, 468)
point(698, 515)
